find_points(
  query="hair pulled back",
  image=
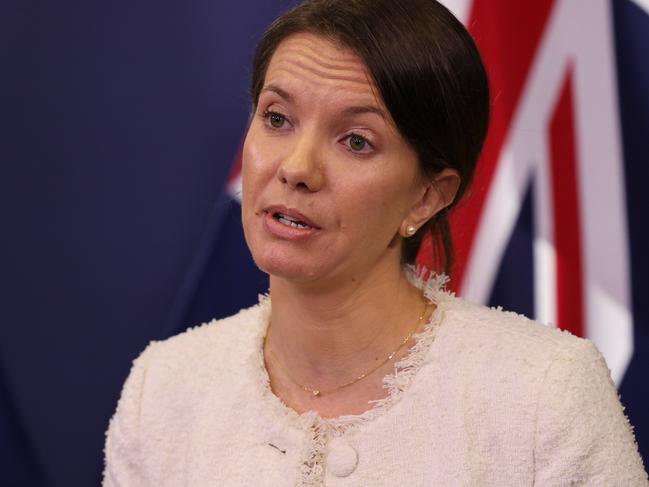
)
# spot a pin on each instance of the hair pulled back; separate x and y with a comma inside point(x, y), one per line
point(429, 75)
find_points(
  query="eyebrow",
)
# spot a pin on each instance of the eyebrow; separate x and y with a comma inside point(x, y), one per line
point(282, 93)
point(353, 110)
point(360, 110)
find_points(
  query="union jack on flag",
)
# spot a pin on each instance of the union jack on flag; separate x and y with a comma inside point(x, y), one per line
point(554, 227)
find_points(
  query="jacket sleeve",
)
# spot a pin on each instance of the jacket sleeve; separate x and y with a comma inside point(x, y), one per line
point(582, 434)
point(123, 453)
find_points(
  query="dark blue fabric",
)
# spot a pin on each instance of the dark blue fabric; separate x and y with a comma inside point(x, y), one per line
point(632, 49)
point(513, 288)
point(230, 280)
point(18, 466)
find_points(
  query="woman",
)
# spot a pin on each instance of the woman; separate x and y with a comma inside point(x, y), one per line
point(368, 119)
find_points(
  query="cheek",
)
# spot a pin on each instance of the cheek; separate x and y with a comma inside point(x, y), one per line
point(255, 169)
point(375, 211)
point(251, 185)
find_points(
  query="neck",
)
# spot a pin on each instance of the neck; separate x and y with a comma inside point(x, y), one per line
point(329, 334)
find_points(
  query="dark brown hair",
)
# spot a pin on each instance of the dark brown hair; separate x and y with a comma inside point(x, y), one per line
point(429, 74)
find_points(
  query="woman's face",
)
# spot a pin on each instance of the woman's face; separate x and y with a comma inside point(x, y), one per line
point(328, 182)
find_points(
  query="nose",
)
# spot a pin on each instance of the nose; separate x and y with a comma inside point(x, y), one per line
point(301, 168)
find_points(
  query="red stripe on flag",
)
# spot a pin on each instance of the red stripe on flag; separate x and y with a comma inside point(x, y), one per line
point(567, 224)
point(508, 33)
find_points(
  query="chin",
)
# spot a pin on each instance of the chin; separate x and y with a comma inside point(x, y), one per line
point(285, 260)
point(284, 267)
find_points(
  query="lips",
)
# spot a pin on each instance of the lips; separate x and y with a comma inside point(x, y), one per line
point(287, 220)
point(291, 218)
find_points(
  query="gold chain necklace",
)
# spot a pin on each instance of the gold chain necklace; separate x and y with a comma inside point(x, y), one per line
point(320, 392)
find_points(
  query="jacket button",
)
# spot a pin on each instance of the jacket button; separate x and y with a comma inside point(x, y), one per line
point(342, 458)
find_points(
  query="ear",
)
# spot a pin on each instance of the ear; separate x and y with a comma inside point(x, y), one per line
point(434, 195)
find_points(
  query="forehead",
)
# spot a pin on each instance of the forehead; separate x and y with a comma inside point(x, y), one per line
point(308, 62)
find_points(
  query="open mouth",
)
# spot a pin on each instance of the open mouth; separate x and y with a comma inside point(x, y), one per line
point(290, 221)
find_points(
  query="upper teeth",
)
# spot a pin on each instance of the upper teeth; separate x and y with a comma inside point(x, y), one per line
point(291, 222)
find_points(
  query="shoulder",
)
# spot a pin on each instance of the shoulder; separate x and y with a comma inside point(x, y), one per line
point(173, 382)
point(207, 344)
point(173, 377)
point(214, 356)
point(510, 339)
point(547, 382)
point(507, 362)
point(497, 336)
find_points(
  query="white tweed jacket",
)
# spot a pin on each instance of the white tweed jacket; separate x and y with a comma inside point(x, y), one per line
point(484, 398)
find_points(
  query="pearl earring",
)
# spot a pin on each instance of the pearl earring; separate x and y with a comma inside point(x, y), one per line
point(410, 230)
